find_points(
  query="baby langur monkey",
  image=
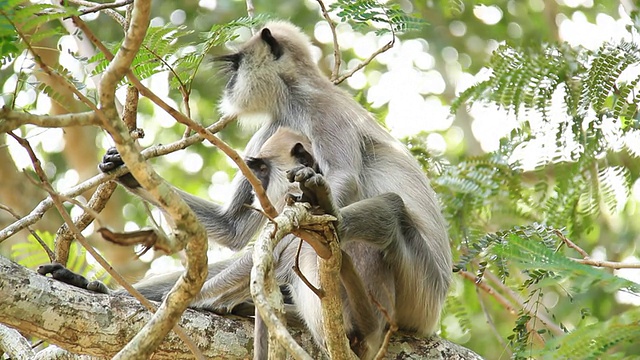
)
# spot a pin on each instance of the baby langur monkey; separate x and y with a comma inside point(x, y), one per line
point(286, 167)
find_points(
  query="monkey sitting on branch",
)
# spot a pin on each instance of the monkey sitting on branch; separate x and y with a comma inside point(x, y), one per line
point(404, 252)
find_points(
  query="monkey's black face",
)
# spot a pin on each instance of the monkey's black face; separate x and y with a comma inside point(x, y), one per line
point(232, 61)
point(261, 168)
point(231, 65)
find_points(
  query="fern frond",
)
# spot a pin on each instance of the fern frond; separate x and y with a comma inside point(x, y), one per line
point(591, 341)
point(534, 255)
point(361, 13)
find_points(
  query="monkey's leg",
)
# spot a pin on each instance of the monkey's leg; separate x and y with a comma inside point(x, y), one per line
point(381, 221)
point(231, 226)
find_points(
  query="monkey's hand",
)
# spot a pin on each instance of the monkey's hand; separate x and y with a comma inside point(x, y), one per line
point(61, 273)
point(111, 161)
point(314, 187)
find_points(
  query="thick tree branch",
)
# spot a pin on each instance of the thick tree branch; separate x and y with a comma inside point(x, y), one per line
point(14, 344)
point(100, 325)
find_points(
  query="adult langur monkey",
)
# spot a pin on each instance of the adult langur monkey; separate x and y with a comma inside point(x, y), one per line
point(274, 82)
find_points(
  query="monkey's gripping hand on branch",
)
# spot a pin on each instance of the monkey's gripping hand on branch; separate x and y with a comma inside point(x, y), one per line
point(111, 161)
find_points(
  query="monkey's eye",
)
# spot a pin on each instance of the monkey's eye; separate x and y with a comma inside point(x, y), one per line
point(274, 45)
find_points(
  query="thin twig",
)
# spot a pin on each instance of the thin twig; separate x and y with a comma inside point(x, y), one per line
point(155, 151)
point(13, 119)
point(571, 244)
point(337, 60)
point(608, 264)
point(296, 269)
point(98, 7)
point(57, 77)
point(35, 235)
point(518, 299)
point(83, 241)
point(181, 118)
point(492, 325)
point(587, 260)
point(489, 290)
point(393, 327)
point(366, 62)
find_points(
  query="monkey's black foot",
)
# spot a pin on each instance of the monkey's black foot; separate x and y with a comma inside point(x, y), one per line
point(61, 273)
point(111, 161)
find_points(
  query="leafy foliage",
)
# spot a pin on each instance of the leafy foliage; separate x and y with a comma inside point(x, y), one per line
point(596, 339)
point(583, 105)
point(361, 13)
point(32, 18)
point(169, 48)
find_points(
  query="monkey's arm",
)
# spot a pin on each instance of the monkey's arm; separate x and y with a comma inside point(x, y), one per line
point(231, 226)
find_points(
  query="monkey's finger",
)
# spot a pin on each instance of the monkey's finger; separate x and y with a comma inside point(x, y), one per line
point(304, 174)
point(291, 173)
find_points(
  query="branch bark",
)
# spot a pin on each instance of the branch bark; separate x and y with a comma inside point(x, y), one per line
point(100, 325)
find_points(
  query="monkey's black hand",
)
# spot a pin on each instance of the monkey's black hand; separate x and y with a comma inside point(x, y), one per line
point(315, 189)
point(111, 161)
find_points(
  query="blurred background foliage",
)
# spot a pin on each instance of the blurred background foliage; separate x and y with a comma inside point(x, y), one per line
point(523, 113)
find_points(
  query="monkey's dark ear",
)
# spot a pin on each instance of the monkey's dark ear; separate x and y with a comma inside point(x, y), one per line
point(302, 156)
point(274, 45)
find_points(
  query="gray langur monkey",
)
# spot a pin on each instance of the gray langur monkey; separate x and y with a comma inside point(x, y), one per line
point(406, 266)
point(274, 82)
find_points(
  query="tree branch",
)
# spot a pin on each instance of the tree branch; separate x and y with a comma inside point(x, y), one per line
point(38, 212)
point(189, 233)
point(14, 344)
point(337, 60)
point(12, 120)
point(100, 325)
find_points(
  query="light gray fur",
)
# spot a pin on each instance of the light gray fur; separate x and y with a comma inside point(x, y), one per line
point(391, 221)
